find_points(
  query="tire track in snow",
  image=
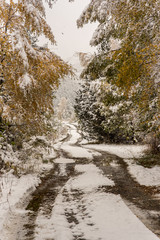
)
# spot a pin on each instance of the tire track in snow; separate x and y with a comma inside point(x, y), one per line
point(75, 201)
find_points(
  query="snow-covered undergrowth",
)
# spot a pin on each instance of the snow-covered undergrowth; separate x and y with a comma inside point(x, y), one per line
point(20, 176)
point(31, 158)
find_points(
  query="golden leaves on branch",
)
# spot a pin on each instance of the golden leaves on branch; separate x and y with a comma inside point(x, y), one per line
point(31, 74)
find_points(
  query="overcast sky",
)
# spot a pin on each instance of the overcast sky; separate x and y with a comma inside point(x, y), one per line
point(62, 19)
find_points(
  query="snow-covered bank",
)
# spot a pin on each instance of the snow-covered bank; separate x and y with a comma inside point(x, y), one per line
point(123, 151)
point(13, 195)
point(16, 185)
point(145, 176)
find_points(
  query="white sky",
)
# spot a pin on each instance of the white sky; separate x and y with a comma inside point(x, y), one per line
point(62, 19)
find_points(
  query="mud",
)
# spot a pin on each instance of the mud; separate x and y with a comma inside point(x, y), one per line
point(44, 196)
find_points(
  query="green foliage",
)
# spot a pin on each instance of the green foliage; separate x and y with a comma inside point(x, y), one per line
point(130, 104)
point(100, 66)
point(88, 113)
point(118, 122)
point(149, 160)
point(103, 110)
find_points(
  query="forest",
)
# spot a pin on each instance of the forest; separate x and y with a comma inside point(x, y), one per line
point(120, 98)
point(119, 101)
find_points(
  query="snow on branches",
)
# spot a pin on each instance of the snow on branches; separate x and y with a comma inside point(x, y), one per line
point(30, 73)
point(133, 65)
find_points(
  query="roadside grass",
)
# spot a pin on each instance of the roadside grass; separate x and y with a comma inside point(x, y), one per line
point(149, 160)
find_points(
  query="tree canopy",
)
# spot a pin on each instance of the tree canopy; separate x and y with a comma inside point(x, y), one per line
point(132, 64)
point(29, 74)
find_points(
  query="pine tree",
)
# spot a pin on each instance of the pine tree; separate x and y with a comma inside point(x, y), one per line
point(104, 112)
point(88, 112)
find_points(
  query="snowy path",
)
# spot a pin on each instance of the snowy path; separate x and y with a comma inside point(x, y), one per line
point(82, 198)
point(85, 207)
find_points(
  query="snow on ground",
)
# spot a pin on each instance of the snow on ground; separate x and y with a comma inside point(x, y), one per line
point(95, 214)
point(76, 151)
point(145, 176)
point(17, 184)
point(56, 227)
point(13, 192)
point(74, 134)
point(64, 160)
point(79, 152)
point(109, 218)
point(81, 209)
point(123, 151)
point(91, 179)
point(84, 141)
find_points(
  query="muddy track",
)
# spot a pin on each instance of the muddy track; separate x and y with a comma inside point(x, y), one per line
point(71, 215)
point(44, 197)
point(140, 199)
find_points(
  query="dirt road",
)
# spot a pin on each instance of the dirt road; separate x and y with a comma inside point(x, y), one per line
point(90, 195)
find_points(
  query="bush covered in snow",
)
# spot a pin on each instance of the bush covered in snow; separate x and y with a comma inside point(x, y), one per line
point(107, 114)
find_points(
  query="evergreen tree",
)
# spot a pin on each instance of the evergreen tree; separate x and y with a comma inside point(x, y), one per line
point(103, 111)
point(88, 112)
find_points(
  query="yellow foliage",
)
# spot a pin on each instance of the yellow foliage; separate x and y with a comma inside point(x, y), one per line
point(134, 65)
point(138, 56)
point(31, 74)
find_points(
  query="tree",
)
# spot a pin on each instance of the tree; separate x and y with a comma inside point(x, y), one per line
point(88, 112)
point(135, 62)
point(30, 73)
point(104, 112)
